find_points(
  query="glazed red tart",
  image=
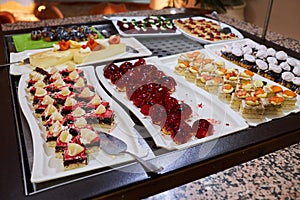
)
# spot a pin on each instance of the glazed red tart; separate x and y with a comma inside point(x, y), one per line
point(202, 128)
point(74, 156)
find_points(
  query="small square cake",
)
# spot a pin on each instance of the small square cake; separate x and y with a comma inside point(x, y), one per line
point(273, 105)
point(290, 99)
point(237, 97)
point(74, 156)
point(225, 92)
point(252, 108)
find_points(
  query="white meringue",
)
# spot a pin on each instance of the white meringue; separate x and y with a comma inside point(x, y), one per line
point(261, 54)
point(285, 66)
point(296, 81)
point(281, 55)
point(237, 52)
point(271, 52)
point(296, 71)
point(261, 64)
point(287, 76)
point(272, 60)
point(249, 58)
point(275, 68)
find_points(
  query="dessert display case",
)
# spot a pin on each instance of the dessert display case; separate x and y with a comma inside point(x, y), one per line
point(128, 179)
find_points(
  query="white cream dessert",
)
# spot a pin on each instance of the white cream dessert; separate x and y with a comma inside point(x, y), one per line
point(66, 52)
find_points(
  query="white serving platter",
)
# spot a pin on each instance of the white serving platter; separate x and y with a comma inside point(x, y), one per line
point(203, 41)
point(47, 167)
point(138, 18)
point(204, 105)
point(211, 51)
point(17, 69)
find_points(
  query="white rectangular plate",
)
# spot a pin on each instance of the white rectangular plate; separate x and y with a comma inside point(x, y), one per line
point(202, 103)
point(46, 167)
point(211, 52)
point(17, 69)
point(138, 18)
point(203, 41)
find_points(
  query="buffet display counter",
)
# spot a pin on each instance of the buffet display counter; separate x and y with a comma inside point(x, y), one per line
point(129, 180)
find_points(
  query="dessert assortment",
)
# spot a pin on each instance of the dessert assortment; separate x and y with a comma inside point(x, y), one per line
point(152, 24)
point(267, 62)
point(176, 115)
point(76, 33)
point(72, 51)
point(150, 90)
point(254, 98)
point(205, 30)
point(69, 112)
point(66, 115)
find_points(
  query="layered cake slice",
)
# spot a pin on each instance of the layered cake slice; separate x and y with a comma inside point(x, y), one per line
point(273, 105)
point(252, 108)
point(74, 156)
point(290, 99)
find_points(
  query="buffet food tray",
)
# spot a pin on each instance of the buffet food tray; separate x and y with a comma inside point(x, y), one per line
point(224, 120)
point(171, 62)
point(46, 166)
point(19, 69)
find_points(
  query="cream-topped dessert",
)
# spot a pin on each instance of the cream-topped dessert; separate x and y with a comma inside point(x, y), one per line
point(64, 52)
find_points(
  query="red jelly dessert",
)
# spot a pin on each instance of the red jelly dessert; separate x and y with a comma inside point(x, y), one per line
point(183, 134)
point(202, 128)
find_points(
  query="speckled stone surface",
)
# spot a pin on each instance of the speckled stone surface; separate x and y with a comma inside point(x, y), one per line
point(273, 176)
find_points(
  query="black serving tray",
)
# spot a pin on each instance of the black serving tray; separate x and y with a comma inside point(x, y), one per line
point(190, 164)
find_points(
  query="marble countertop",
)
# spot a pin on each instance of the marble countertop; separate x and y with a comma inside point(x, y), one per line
point(273, 176)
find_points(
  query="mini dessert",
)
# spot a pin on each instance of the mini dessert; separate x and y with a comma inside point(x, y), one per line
point(74, 156)
point(89, 138)
point(273, 105)
point(225, 92)
point(274, 73)
point(287, 79)
point(248, 62)
point(252, 108)
point(290, 99)
point(62, 142)
point(260, 93)
point(272, 90)
point(231, 77)
point(237, 97)
point(213, 84)
point(181, 67)
point(202, 79)
point(53, 133)
point(202, 128)
point(191, 73)
point(102, 117)
point(246, 76)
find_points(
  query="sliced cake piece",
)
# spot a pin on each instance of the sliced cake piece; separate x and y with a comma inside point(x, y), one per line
point(74, 156)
